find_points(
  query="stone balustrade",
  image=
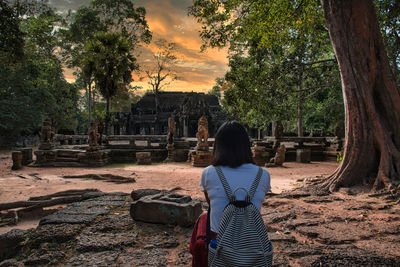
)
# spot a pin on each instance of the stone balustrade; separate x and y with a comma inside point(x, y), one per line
point(300, 141)
point(142, 141)
point(76, 139)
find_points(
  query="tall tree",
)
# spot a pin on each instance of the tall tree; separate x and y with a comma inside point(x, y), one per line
point(113, 64)
point(101, 16)
point(162, 72)
point(372, 99)
point(81, 27)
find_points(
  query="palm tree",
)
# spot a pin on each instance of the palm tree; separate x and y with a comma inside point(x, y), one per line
point(113, 64)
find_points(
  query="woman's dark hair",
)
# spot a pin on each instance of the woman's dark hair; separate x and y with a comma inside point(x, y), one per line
point(231, 145)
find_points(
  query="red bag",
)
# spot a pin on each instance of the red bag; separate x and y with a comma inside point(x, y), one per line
point(198, 242)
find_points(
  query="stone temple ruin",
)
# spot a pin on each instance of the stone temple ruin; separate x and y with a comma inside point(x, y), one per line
point(185, 123)
point(185, 108)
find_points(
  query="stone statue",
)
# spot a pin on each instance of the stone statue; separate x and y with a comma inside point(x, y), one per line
point(279, 158)
point(46, 131)
point(100, 130)
point(46, 135)
point(278, 133)
point(93, 136)
point(202, 132)
point(171, 131)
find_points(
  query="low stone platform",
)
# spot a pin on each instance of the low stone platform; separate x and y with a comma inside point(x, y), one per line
point(71, 158)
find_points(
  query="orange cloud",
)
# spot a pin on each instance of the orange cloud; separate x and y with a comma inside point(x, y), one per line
point(168, 19)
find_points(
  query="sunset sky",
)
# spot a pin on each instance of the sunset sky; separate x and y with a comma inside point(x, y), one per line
point(168, 19)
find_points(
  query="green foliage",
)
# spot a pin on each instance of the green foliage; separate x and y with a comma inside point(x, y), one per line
point(112, 64)
point(122, 101)
point(281, 60)
point(388, 12)
point(88, 43)
point(11, 36)
point(33, 86)
point(218, 88)
point(339, 157)
point(273, 24)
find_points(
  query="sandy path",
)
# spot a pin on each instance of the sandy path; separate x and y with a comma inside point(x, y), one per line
point(158, 176)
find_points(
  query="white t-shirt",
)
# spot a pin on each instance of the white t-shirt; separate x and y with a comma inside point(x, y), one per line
point(242, 176)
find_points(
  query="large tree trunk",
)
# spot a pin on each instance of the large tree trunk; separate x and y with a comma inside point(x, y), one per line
point(372, 99)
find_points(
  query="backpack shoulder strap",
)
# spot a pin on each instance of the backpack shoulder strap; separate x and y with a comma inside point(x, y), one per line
point(255, 183)
point(224, 182)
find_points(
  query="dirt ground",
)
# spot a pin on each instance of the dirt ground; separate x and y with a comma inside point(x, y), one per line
point(306, 228)
point(28, 182)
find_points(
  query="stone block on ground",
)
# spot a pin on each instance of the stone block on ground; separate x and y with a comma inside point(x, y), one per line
point(97, 158)
point(143, 158)
point(26, 155)
point(139, 193)
point(260, 158)
point(17, 160)
point(201, 159)
point(45, 157)
point(303, 155)
point(166, 208)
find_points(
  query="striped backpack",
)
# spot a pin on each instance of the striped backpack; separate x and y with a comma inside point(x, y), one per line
point(242, 238)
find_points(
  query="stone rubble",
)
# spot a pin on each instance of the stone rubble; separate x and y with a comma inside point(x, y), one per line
point(304, 228)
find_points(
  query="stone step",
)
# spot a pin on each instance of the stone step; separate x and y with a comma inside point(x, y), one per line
point(64, 153)
point(65, 159)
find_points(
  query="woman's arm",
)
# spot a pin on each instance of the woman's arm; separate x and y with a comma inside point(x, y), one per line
point(206, 196)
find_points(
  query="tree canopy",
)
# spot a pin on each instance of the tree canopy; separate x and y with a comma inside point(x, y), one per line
point(27, 51)
point(281, 60)
point(92, 24)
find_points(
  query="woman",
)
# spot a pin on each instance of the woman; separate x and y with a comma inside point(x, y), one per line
point(232, 153)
